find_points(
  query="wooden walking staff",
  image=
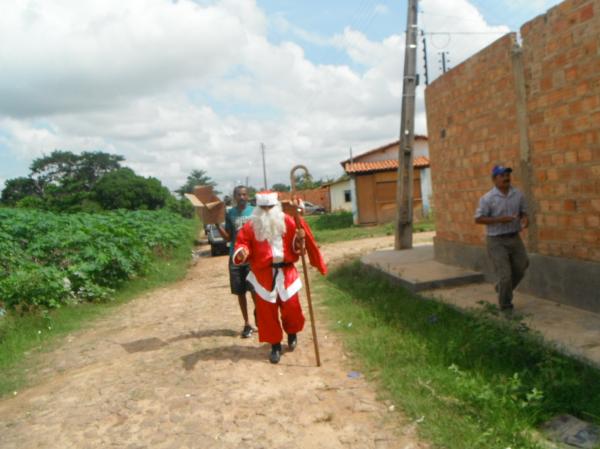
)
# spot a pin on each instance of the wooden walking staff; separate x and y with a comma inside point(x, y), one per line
point(303, 255)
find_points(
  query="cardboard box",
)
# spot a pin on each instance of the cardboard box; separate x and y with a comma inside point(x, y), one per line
point(211, 208)
point(213, 213)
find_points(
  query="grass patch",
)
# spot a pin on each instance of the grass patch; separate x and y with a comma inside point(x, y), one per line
point(475, 381)
point(337, 226)
point(22, 335)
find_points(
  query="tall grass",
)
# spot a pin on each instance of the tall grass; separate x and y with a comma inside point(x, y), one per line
point(474, 380)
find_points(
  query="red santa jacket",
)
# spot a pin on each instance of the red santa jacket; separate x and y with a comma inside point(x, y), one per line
point(260, 257)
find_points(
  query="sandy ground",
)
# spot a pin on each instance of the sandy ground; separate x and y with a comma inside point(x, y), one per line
point(169, 370)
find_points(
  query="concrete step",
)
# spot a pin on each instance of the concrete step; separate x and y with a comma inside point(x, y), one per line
point(416, 270)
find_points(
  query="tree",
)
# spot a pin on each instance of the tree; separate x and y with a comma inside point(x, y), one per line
point(16, 189)
point(88, 182)
point(93, 166)
point(123, 189)
point(279, 187)
point(64, 167)
point(61, 181)
point(251, 191)
point(304, 182)
point(196, 178)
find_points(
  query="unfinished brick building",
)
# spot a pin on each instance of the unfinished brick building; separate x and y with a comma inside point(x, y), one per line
point(535, 107)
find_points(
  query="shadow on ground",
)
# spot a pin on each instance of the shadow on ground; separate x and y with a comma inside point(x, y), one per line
point(154, 343)
point(234, 353)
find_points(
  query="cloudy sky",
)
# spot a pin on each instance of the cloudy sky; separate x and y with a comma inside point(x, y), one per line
point(177, 85)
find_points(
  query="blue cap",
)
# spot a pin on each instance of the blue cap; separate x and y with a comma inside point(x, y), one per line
point(500, 170)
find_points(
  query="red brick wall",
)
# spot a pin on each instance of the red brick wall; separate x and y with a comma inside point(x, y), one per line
point(561, 54)
point(476, 105)
point(480, 129)
point(319, 196)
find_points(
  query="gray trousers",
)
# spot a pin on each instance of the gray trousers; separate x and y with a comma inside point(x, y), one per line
point(510, 262)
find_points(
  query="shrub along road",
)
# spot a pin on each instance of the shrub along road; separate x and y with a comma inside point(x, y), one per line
point(169, 370)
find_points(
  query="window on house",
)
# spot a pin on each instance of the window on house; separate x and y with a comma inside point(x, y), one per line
point(347, 196)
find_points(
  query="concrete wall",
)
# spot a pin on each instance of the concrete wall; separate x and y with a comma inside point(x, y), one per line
point(354, 202)
point(426, 190)
point(535, 107)
point(421, 148)
point(338, 198)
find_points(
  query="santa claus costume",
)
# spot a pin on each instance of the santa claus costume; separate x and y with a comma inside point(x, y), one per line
point(271, 243)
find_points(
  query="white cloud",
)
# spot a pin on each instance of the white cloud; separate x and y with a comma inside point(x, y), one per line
point(70, 55)
point(163, 83)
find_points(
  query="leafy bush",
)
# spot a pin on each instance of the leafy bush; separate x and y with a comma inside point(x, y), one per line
point(49, 259)
point(123, 189)
point(35, 286)
point(31, 202)
point(181, 206)
point(335, 220)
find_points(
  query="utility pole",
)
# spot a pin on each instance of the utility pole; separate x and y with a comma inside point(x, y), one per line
point(444, 61)
point(425, 66)
point(262, 150)
point(404, 190)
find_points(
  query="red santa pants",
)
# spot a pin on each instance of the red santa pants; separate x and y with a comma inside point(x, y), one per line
point(267, 317)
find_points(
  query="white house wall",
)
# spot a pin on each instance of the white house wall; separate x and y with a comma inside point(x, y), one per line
point(426, 190)
point(354, 203)
point(336, 192)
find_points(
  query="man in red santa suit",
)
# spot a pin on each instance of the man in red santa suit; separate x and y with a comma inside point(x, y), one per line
point(271, 243)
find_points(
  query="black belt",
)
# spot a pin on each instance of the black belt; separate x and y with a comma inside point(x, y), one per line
point(281, 264)
point(510, 234)
point(278, 265)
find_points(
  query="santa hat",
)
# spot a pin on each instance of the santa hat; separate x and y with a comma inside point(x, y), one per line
point(266, 198)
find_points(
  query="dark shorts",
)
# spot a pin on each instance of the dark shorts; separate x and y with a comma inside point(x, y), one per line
point(237, 278)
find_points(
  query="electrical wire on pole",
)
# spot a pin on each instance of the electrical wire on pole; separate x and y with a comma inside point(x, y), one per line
point(425, 65)
point(404, 215)
point(444, 61)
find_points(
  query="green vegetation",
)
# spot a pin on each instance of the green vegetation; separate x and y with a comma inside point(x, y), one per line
point(471, 380)
point(88, 182)
point(280, 187)
point(166, 262)
point(304, 182)
point(49, 260)
point(337, 226)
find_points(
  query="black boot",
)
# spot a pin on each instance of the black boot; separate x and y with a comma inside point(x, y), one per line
point(275, 353)
point(292, 341)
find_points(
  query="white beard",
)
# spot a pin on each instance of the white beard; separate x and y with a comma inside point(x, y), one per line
point(269, 224)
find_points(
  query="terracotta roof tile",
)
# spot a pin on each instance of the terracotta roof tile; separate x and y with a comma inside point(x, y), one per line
point(421, 162)
point(388, 164)
point(381, 148)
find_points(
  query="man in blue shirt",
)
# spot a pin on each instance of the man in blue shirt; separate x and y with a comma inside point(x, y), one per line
point(234, 220)
point(504, 212)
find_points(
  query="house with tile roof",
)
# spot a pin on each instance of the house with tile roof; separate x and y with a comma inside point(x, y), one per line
point(373, 182)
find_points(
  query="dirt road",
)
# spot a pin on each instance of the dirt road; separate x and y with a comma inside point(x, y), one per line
point(168, 370)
